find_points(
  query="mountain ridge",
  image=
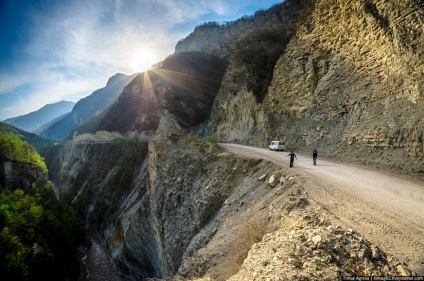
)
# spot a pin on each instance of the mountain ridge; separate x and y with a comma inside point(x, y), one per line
point(183, 87)
point(343, 81)
point(33, 120)
point(87, 108)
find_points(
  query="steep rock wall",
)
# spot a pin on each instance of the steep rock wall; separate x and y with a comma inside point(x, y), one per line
point(163, 230)
point(349, 83)
point(236, 112)
point(101, 179)
point(166, 212)
point(350, 80)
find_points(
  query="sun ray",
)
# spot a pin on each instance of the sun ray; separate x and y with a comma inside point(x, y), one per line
point(163, 72)
point(181, 80)
point(150, 109)
point(148, 91)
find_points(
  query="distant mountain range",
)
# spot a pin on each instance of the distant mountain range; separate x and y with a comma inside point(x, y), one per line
point(31, 121)
point(85, 108)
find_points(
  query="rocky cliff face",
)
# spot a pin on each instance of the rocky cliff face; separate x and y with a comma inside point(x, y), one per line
point(168, 211)
point(183, 207)
point(348, 83)
point(15, 174)
point(345, 78)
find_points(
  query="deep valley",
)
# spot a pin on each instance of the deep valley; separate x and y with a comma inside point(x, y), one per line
point(164, 193)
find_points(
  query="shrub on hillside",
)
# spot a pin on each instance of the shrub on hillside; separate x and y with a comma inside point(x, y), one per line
point(213, 138)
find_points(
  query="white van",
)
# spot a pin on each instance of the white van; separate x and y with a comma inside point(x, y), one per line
point(277, 145)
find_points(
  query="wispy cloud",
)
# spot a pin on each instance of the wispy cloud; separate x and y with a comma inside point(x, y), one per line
point(9, 82)
point(73, 47)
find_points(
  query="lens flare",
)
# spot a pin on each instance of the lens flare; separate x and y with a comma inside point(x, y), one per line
point(142, 60)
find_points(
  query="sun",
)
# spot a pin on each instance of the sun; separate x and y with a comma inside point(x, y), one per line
point(142, 60)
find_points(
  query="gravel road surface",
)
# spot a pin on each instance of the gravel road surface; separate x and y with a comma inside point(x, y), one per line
point(385, 208)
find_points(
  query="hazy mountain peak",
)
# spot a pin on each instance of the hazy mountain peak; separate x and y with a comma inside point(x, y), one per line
point(87, 107)
point(116, 78)
point(33, 120)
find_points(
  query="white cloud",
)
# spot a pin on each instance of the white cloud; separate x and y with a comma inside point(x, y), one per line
point(89, 39)
point(109, 33)
point(77, 45)
point(51, 91)
point(9, 82)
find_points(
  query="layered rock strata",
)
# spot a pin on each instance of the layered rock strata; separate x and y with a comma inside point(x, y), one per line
point(348, 83)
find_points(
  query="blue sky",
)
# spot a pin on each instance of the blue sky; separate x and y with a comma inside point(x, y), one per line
point(52, 50)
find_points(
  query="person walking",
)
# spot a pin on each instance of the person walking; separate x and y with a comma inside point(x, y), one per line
point(315, 156)
point(292, 156)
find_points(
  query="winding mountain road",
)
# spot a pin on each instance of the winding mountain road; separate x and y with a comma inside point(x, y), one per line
point(385, 208)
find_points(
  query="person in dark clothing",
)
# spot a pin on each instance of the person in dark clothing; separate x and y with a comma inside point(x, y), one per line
point(292, 156)
point(315, 156)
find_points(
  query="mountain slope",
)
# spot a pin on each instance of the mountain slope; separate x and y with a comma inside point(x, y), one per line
point(87, 108)
point(338, 75)
point(347, 83)
point(31, 121)
point(38, 142)
point(184, 88)
point(221, 39)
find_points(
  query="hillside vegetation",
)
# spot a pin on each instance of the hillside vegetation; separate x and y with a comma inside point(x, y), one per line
point(13, 148)
point(38, 233)
point(38, 142)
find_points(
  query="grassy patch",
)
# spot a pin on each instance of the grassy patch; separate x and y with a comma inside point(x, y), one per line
point(319, 264)
point(213, 138)
point(265, 263)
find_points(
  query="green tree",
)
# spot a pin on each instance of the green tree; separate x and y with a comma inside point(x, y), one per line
point(13, 148)
point(37, 234)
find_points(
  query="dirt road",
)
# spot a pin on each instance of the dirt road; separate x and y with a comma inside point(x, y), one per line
point(387, 209)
